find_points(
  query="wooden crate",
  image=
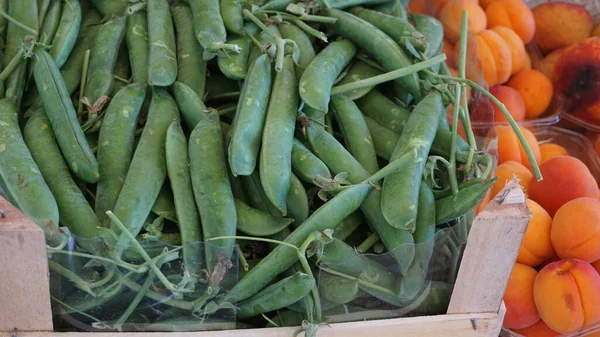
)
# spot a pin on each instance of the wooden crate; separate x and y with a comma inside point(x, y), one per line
point(475, 310)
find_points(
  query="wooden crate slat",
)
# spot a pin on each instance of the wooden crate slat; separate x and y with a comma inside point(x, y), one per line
point(459, 325)
point(492, 249)
point(24, 287)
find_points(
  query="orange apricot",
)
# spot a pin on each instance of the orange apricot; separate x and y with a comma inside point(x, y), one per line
point(514, 14)
point(508, 144)
point(484, 202)
point(518, 298)
point(516, 46)
point(551, 150)
point(565, 179)
point(548, 64)
point(576, 230)
point(596, 31)
point(511, 99)
point(567, 295)
point(508, 170)
point(500, 53)
point(451, 14)
point(536, 90)
point(485, 3)
point(596, 265)
point(417, 6)
point(559, 24)
point(597, 146)
point(536, 246)
point(539, 329)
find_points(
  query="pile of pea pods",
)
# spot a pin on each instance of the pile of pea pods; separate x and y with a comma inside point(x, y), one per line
point(236, 161)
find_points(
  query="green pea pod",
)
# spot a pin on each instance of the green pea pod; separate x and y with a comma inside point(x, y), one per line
point(209, 26)
point(231, 12)
point(276, 5)
point(212, 189)
point(63, 118)
point(290, 31)
point(339, 160)
point(148, 169)
point(276, 296)
point(373, 278)
point(400, 30)
point(235, 65)
point(414, 281)
point(400, 192)
point(122, 70)
point(111, 7)
point(385, 50)
point(137, 45)
point(359, 71)
point(297, 201)
point(75, 212)
point(320, 75)
point(188, 218)
point(393, 8)
point(393, 117)
point(355, 131)
point(66, 35)
point(338, 289)
point(103, 57)
point(283, 257)
point(71, 70)
point(25, 12)
point(192, 108)
point(351, 3)
point(456, 205)
point(51, 21)
point(347, 226)
point(252, 221)
point(116, 145)
point(162, 60)
point(164, 205)
point(278, 136)
point(250, 117)
point(432, 28)
point(256, 194)
point(21, 175)
point(306, 165)
point(384, 140)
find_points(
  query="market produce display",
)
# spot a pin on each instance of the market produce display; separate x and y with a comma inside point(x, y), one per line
point(200, 162)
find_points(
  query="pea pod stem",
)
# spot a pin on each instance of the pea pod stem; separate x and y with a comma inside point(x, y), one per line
point(389, 76)
point(17, 23)
point(140, 270)
point(368, 243)
point(136, 300)
point(136, 8)
point(86, 63)
point(279, 42)
point(360, 282)
point(308, 29)
point(13, 64)
point(466, 119)
point(452, 167)
point(71, 276)
point(145, 255)
point(304, 17)
point(386, 170)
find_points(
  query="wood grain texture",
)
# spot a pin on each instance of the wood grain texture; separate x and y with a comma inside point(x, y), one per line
point(24, 283)
point(468, 325)
point(492, 249)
